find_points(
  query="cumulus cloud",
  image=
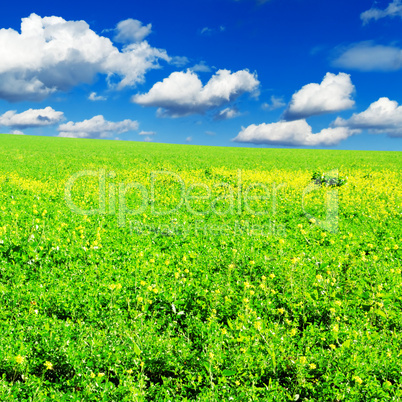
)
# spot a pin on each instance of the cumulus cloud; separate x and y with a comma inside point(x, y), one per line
point(189, 139)
point(381, 117)
point(276, 103)
point(16, 132)
point(227, 113)
point(130, 31)
point(394, 9)
point(31, 118)
point(182, 93)
point(97, 127)
point(52, 54)
point(294, 133)
point(367, 56)
point(148, 139)
point(332, 95)
point(94, 97)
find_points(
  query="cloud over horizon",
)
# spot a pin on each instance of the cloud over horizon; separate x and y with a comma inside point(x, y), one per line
point(292, 133)
point(31, 118)
point(96, 127)
point(182, 93)
point(332, 95)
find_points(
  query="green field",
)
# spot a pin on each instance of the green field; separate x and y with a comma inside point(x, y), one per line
point(153, 272)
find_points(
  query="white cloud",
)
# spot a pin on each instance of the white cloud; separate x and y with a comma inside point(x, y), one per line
point(130, 31)
point(189, 139)
point(367, 56)
point(94, 97)
point(52, 54)
point(206, 31)
point(297, 133)
point(201, 67)
point(97, 127)
point(381, 117)
point(210, 132)
point(332, 95)
point(148, 139)
point(276, 103)
point(16, 132)
point(147, 133)
point(179, 61)
point(182, 93)
point(227, 113)
point(31, 118)
point(394, 9)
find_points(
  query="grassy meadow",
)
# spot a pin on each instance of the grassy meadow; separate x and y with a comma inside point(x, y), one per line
point(153, 272)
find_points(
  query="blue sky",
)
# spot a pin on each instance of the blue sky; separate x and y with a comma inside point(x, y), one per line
point(276, 73)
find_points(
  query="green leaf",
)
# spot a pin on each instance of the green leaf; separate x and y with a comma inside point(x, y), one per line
point(228, 373)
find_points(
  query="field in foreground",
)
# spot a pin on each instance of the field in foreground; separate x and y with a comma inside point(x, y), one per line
point(150, 272)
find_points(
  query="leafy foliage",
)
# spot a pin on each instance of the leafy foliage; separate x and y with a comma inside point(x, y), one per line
point(235, 301)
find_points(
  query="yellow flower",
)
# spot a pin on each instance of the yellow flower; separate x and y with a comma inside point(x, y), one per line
point(303, 360)
point(357, 379)
point(281, 310)
point(332, 346)
point(92, 375)
point(272, 276)
point(101, 374)
point(20, 359)
point(258, 325)
point(48, 365)
point(312, 366)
